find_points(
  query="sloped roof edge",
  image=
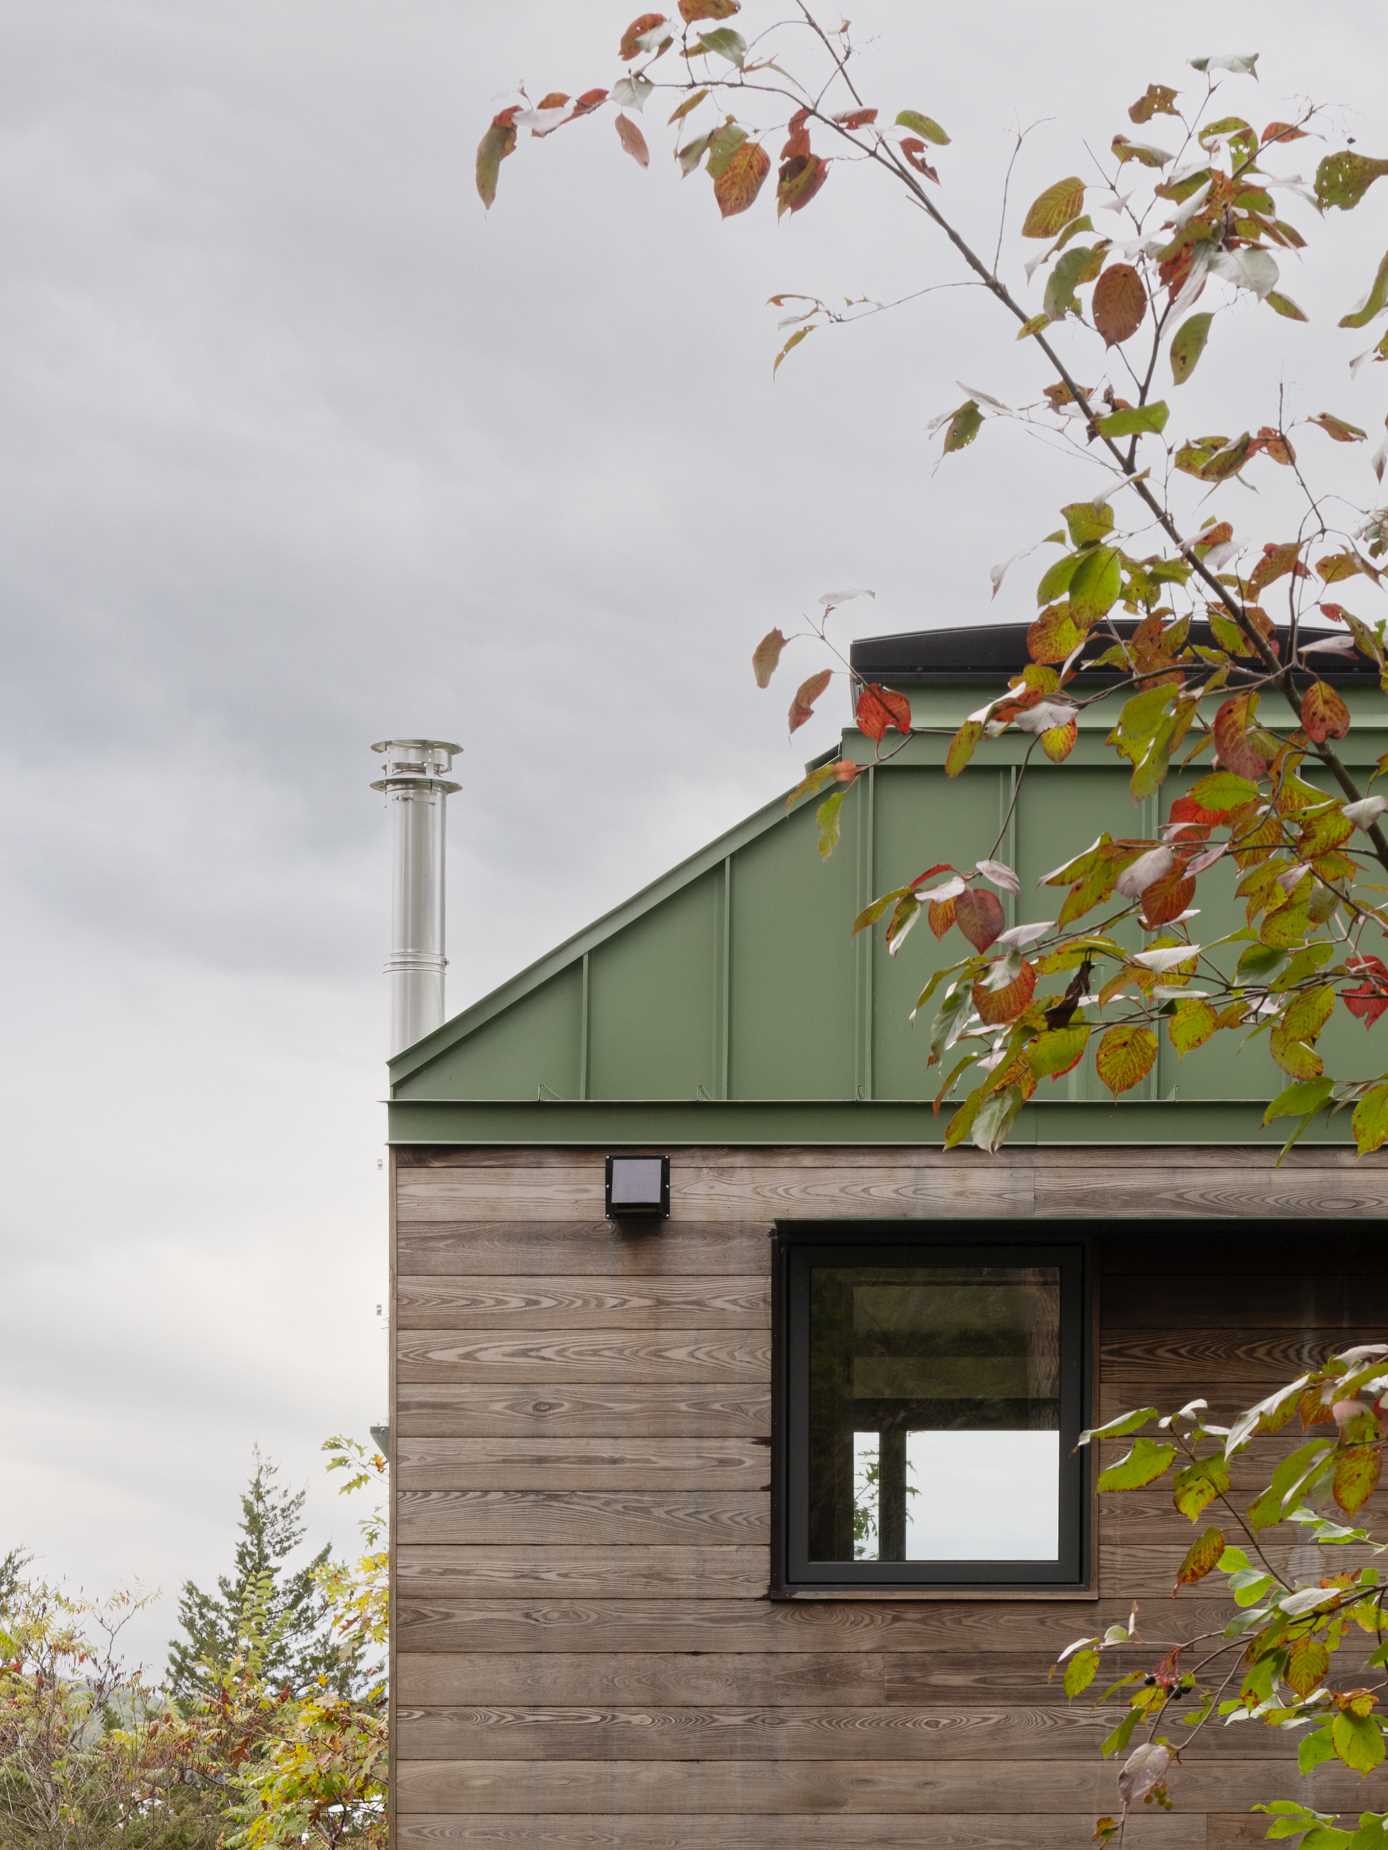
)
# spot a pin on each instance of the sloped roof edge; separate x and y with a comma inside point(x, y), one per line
point(458, 1027)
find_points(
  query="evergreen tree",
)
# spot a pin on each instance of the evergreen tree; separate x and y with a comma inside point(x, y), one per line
point(281, 1606)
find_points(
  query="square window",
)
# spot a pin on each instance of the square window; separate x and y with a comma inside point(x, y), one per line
point(931, 1394)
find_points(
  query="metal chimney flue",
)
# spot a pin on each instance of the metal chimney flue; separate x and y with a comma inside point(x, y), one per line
point(416, 787)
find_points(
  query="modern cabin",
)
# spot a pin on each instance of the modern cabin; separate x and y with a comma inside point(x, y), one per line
point(734, 1501)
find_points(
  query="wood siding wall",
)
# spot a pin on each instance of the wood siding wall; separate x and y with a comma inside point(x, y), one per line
point(584, 1655)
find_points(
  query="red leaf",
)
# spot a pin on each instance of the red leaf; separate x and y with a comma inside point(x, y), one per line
point(1323, 714)
point(914, 149)
point(940, 867)
point(799, 180)
point(856, 118)
point(1167, 898)
point(1006, 1004)
point(1336, 612)
point(808, 692)
point(1120, 302)
point(1370, 1000)
point(690, 10)
point(940, 913)
point(879, 709)
point(633, 140)
point(766, 655)
point(588, 102)
point(629, 48)
point(1236, 752)
point(554, 99)
point(797, 136)
point(741, 180)
point(979, 915)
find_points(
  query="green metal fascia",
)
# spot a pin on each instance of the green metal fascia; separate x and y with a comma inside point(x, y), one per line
point(615, 1123)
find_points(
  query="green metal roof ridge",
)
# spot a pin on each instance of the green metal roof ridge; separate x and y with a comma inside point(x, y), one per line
point(684, 873)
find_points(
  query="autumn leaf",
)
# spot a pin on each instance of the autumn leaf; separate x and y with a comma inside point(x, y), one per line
point(1370, 1121)
point(808, 692)
point(962, 746)
point(1307, 1662)
point(1057, 742)
point(1357, 1470)
point(766, 655)
point(1119, 303)
point(1201, 1558)
point(631, 46)
point(1125, 1057)
point(691, 10)
point(799, 180)
point(1337, 427)
point(856, 118)
point(1368, 1001)
point(495, 145)
point(1283, 305)
point(1374, 302)
point(1052, 211)
point(1156, 99)
point(979, 915)
point(632, 140)
point(1324, 714)
point(737, 186)
point(1167, 898)
point(1006, 1002)
point(681, 110)
point(879, 709)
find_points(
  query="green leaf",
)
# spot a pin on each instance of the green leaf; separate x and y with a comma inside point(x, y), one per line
point(1196, 1485)
point(1370, 1121)
point(962, 747)
point(1096, 584)
point(1223, 791)
point(1283, 305)
point(1081, 264)
point(925, 126)
point(1191, 1024)
point(1052, 211)
point(495, 145)
point(1055, 581)
point(1356, 1475)
point(1121, 1427)
point(1315, 1750)
point(1358, 1740)
point(725, 43)
point(1343, 179)
point(1057, 1050)
point(1187, 344)
point(1374, 302)
point(1122, 1734)
point(1146, 1462)
point(1087, 521)
point(723, 145)
point(827, 822)
point(1299, 1100)
point(1136, 421)
point(1289, 1482)
point(964, 426)
point(1080, 1671)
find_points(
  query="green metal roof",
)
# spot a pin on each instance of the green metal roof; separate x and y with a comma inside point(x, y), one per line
point(727, 1001)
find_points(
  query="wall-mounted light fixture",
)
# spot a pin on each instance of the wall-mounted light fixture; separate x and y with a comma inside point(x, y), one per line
point(637, 1186)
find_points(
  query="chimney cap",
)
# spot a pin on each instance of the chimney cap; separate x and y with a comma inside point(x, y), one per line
point(418, 762)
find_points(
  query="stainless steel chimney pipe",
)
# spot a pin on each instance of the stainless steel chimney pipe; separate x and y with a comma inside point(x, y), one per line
point(416, 787)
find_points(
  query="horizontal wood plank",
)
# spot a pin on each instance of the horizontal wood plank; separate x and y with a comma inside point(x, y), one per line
point(723, 1356)
point(581, 1410)
point(1052, 1732)
point(702, 1193)
point(1029, 1157)
point(582, 1464)
point(836, 1831)
point(601, 1678)
point(437, 1572)
point(616, 1626)
point(922, 1787)
point(442, 1246)
point(430, 1302)
point(589, 1517)
point(1157, 1360)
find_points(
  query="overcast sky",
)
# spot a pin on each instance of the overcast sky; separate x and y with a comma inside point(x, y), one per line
point(301, 450)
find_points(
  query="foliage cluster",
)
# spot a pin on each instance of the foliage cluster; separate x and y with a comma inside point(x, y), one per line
point(269, 1734)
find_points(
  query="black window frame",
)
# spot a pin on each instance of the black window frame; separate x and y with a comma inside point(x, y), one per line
point(795, 1245)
